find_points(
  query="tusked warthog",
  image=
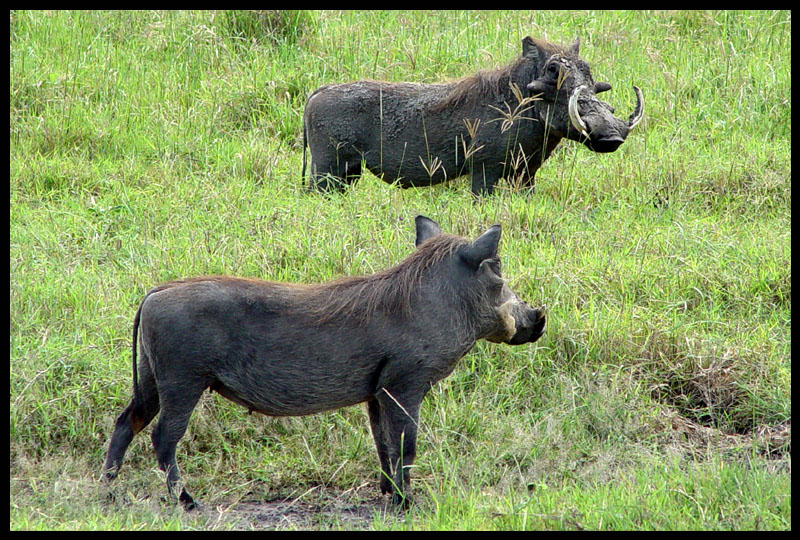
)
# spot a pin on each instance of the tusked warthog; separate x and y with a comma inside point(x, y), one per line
point(289, 350)
point(495, 124)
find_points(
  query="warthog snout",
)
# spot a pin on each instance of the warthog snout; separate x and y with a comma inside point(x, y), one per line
point(521, 323)
point(599, 129)
point(529, 328)
point(607, 144)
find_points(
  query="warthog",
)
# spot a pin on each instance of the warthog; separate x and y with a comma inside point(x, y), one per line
point(286, 349)
point(495, 124)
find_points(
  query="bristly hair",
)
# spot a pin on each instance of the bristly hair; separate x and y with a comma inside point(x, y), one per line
point(391, 290)
point(491, 83)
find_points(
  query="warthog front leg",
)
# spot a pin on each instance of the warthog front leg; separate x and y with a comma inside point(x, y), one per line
point(400, 418)
point(379, 435)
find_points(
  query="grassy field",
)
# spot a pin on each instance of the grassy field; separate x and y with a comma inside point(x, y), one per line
point(149, 146)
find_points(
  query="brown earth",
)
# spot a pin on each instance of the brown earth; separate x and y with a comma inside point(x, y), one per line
point(319, 508)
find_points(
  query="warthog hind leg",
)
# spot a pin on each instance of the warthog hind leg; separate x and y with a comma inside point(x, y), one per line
point(132, 420)
point(176, 408)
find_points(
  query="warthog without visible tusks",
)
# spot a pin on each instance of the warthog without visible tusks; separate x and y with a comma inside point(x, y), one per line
point(495, 124)
point(286, 349)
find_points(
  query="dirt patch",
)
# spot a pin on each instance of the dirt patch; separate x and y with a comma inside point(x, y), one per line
point(772, 442)
point(319, 508)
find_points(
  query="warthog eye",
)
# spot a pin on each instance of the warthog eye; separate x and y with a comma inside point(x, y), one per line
point(552, 69)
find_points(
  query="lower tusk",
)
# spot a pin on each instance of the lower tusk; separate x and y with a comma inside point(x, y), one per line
point(509, 324)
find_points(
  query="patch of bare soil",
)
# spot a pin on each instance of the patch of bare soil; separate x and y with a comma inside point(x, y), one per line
point(774, 442)
point(319, 508)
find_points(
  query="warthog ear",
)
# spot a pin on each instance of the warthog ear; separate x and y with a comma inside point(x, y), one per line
point(484, 247)
point(426, 228)
point(575, 47)
point(529, 48)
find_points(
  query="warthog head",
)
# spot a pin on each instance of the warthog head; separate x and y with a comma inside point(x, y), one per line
point(570, 107)
point(495, 311)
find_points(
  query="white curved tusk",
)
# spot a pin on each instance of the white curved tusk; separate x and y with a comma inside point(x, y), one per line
point(509, 324)
point(574, 115)
point(638, 112)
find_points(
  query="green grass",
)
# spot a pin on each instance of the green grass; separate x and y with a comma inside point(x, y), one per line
point(148, 146)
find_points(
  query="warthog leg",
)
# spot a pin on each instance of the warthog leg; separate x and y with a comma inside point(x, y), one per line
point(400, 418)
point(379, 435)
point(132, 420)
point(176, 408)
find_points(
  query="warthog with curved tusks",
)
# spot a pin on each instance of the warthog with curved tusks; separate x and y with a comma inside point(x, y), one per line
point(284, 349)
point(495, 124)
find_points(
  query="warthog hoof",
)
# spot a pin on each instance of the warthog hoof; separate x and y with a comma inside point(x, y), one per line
point(401, 502)
point(188, 502)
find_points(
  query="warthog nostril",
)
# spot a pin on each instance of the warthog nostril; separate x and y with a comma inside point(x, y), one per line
point(536, 315)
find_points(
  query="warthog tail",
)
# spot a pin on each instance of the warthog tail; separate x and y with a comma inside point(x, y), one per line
point(305, 145)
point(137, 394)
